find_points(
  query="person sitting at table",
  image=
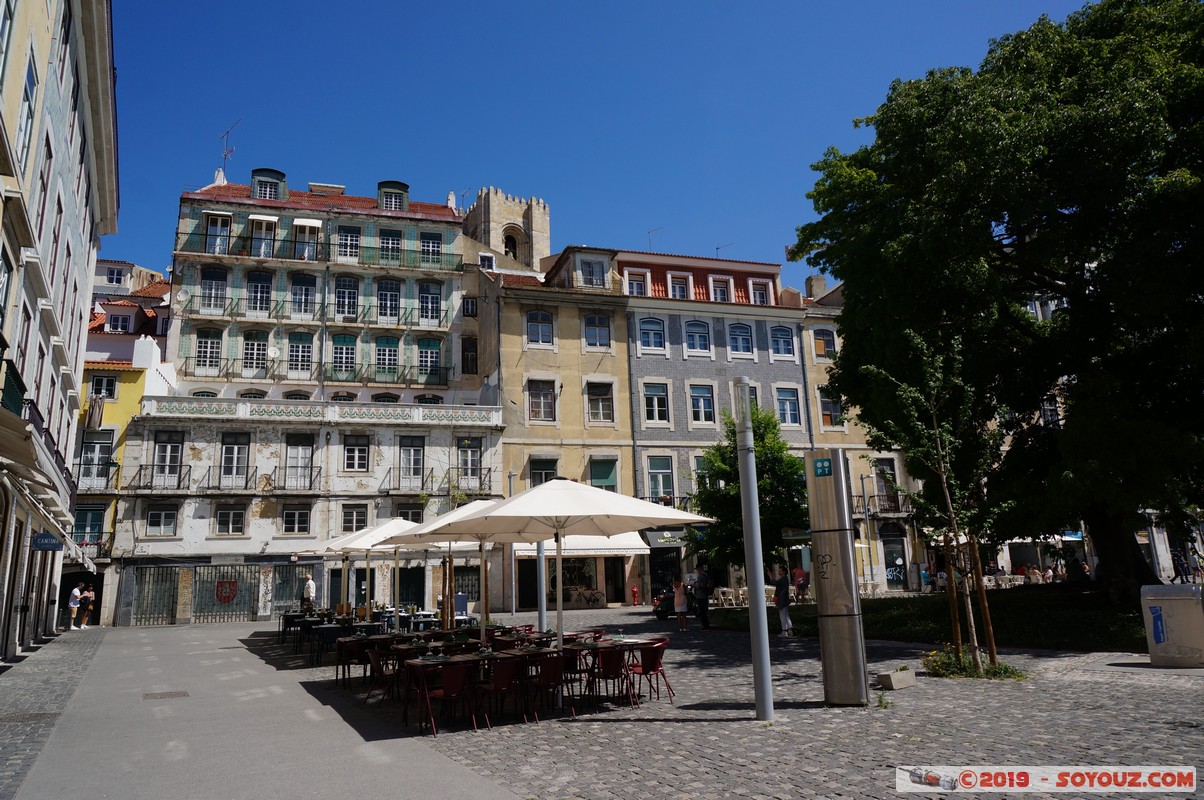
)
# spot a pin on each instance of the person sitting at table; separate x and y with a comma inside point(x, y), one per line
point(1048, 575)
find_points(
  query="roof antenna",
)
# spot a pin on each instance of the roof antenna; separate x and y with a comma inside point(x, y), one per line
point(227, 151)
point(719, 247)
point(654, 230)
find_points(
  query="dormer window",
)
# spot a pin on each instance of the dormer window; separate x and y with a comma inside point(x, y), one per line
point(392, 201)
point(115, 276)
point(593, 273)
point(119, 323)
point(267, 190)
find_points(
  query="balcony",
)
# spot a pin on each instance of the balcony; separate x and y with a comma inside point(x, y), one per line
point(891, 504)
point(13, 399)
point(237, 408)
point(291, 249)
point(220, 479)
point(161, 477)
point(95, 544)
point(295, 479)
point(469, 480)
point(310, 309)
point(682, 502)
point(97, 478)
point(408, 481)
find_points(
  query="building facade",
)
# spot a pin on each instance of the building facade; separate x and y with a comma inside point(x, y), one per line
point(58, 164)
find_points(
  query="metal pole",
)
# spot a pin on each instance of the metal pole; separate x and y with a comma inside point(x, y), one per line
point(869, 544)
point(758, 631)
point(513, 560)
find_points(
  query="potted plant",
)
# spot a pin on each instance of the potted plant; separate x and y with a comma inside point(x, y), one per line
point(899, 678)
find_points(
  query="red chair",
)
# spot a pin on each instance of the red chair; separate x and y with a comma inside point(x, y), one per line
point(651, 667)
point(610, 666)
point(547, 684)
point(454, 691)
point(384, 675)
point(350, 651)
point(507, 673)
point(576, 670)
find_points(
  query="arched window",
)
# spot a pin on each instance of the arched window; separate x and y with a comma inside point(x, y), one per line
point(300, 355)
point(253, 394)
point(346, 299)
point(342, 397)
point(303, 293)
point(825, 344)
point(204, 393)
point(597, 330)
point(387, 358)
point(430, 303)
point(698, 337)
point(781, 341)
point(539, 327)
point(429, 400)
point(429, 370)
point(384, 398)
point(511, 245)
point(388, 302)
point(259, 294)
point(740, 338)
point(254, 354)
point(296, 396)
point(342, 357)
point(213, 290)
point(652, 334)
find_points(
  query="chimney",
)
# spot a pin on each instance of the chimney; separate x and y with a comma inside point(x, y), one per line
point(817, 286)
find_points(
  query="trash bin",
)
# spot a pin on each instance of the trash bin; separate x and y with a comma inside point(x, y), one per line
point(1174, 624)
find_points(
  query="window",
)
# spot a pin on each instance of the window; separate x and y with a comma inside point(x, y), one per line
point(698, 337)
point(208, 351)
point(486, 261)
point(788, 407)
point(300, 355)
point(429, 359)
point(470, 306)
point(259, 294)
point(468, 355)
point(263, 237)
point(392, 201)
point(342, 357)
point(161, 521)
point(702, 404)
point(346, 299)
point(637, 284)
point(469, 456)
point(656, 402)
point(64, 41)
point(760, 294)
point(604, 474)
point(541, 400)
point(296, 519)
point(597, 330)
point(104, 386)
point(254, 353)
point(296, 396)
point(390, 247)
point(740, 338)
point(829, 408)
point(430, 303)
point(825, 344)
point(236, 449)
point(600, 400)
point(348, 244)
point(411, 449)
point(44, 181)
point(510, 245)
point(7, 14)
point(430, 247)
point(1050, 418)
point(355, 452)
point(388, 302)
point(660, 476)
point(542, 471)
point(96, 460)
point(721, 290)
point(539, 327)
point(593, 273)
point(298, 462)
point(700, 472)
point(387, 357)
point(204, 393)
point(752, 397)
point(305, 241)
point(408, 511)
point(267, 190)
point(355, 518)
point(254, 394)
point(343, 397)
point(217, 234)
point(781, 341)
point(119, 323)
point(652, 334)
point(29, 101)
point(231, 520)
point(213, 290)
point(679, 288)
point(115, 276)
point(428, 400)
point(303, 294)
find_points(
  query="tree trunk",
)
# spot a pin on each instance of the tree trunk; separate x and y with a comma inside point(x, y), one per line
point(951, 590)
point(1122, 568)
point(988, 630)
point(971, 628)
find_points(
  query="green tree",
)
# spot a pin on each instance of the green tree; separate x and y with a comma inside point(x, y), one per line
point(781, 489)
point(1065, 173)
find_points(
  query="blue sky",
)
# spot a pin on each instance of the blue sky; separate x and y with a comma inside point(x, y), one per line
point(697, 119)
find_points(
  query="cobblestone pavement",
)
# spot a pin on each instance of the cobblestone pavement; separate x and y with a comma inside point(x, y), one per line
point(1074, 710)
point(33, 693)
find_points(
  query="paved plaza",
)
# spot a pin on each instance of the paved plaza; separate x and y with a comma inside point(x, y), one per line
point(226, 711)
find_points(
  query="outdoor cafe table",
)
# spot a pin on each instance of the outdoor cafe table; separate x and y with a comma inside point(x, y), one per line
point(322, 636)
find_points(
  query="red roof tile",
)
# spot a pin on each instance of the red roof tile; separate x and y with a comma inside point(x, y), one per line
point(520, 280)
point(332, 202)
point(157, 289)
point(120, 303)
point(96, 324)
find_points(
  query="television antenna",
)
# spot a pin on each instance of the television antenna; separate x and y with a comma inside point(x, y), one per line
point(654, 230)
point(227, 150)
point(719, 247)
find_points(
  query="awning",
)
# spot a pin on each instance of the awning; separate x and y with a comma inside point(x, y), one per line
point(263, 218)
point(622, 544)
point(210, 212)
point(307, 223)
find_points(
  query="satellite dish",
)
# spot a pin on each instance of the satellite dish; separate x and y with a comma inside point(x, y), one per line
point(273, 352)
point(183, 295)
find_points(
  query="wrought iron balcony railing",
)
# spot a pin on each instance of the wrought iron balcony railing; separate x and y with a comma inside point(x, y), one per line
point(892, 504)
point(295, 479)
point(409, 480)
point(223, 479)
point(97, 477)
point(282, 248)
point(159, 477)
point(94, 544)
point(470, 480)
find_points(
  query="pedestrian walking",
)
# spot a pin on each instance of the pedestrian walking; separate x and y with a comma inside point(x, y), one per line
point(87, 600)
point(702, 594)
point(781, 599)
point(308, 594)
point(681, 603)
point(73, 604)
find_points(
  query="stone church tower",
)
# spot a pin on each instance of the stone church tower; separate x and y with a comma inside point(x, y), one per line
point(519, 228)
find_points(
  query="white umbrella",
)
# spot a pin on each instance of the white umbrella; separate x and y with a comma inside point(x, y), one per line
point(362, 540)
point(558, 507)
point(423, 547)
